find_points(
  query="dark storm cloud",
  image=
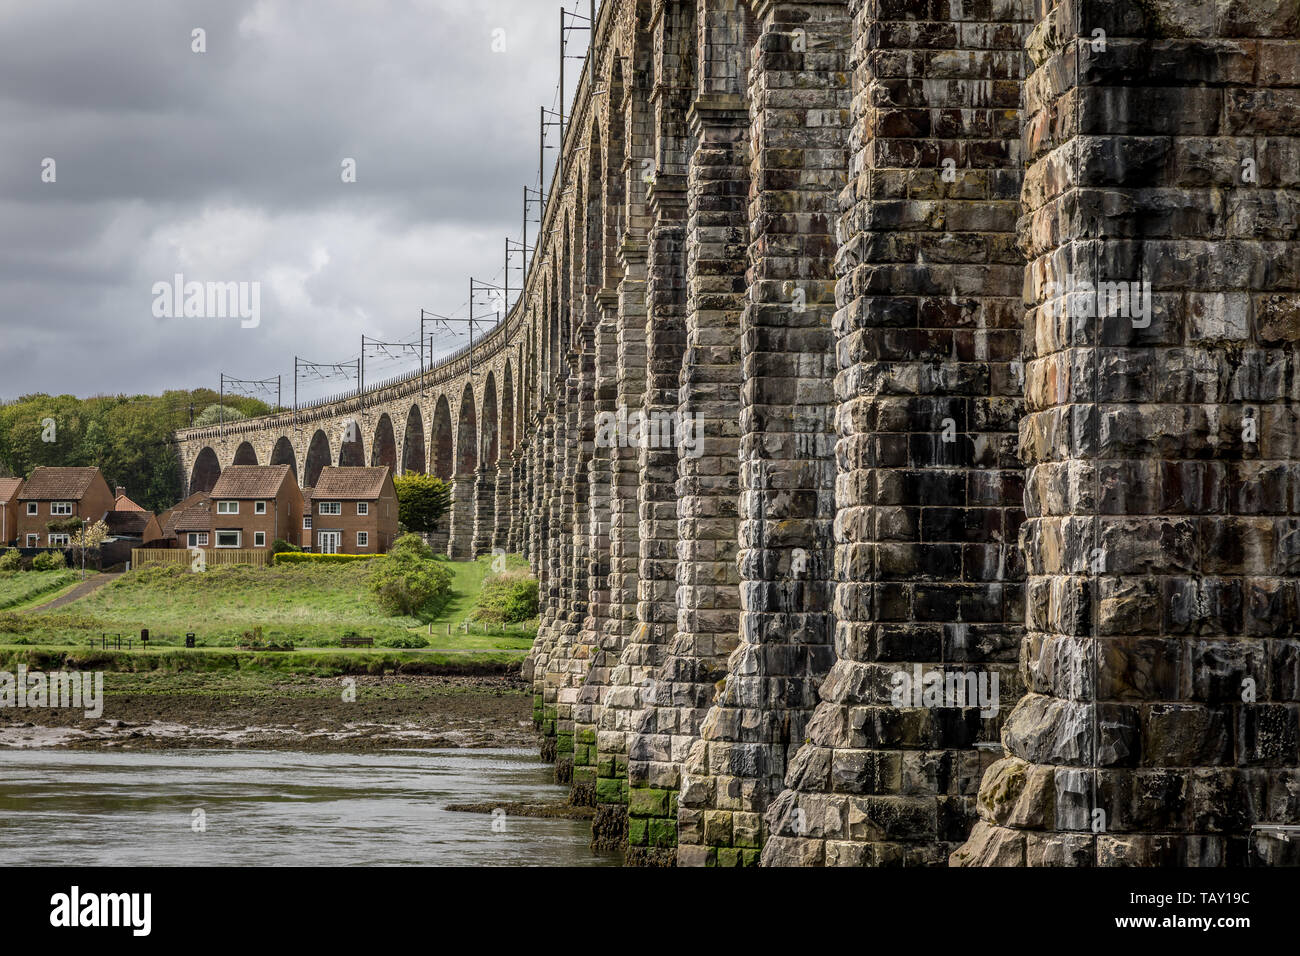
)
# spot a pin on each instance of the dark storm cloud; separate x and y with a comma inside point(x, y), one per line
point(225, 166)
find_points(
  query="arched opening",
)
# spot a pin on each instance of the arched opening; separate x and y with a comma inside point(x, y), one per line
point(595, 214)
point(318, 456)
point(507, 411)
point(206, 471)
point(488, 440)
point(245, 455)
point(352, 450)
point(467, 435)
point(282, 454)
point(443, 462)
point(413, 442)
point(383, 449)
point(615, 185)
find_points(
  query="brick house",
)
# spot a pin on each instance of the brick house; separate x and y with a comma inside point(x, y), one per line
point(253, 505)
point(58, 494)
point(187, 524)
point(353, 511)
point(9, 488)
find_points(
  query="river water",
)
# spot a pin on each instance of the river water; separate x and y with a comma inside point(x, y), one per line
point(258, 808)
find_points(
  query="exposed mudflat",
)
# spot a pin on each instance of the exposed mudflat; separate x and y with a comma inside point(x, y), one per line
point(303, 714)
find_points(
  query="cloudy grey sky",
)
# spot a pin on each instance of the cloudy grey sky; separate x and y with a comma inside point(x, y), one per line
point(225, 166)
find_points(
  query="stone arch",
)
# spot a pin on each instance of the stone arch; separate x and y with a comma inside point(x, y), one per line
point(352, 449)
point(467, 434)
point(507, 432)
point(443, 462)
point(206, 471)
point(489, 438)
point(318, 456)
point(245, 454)
point(552, 327)
point(282, 454)
point(564, 294)
point(594, 213)
point(413, 458)
point(383, 447)
point(615, 184)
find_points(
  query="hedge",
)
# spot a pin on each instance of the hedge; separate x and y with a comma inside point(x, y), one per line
point(302, 557)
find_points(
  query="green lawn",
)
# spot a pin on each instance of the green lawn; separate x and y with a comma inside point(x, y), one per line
point(23, 588)
point(306, 605)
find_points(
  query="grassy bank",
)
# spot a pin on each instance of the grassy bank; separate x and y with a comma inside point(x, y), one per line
point(306, 605)
point(21, 589)
point(232, 662)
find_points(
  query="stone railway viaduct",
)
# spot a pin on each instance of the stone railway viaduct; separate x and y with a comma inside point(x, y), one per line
point(850, 243)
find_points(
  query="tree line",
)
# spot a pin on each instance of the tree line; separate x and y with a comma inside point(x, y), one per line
point(128, 437)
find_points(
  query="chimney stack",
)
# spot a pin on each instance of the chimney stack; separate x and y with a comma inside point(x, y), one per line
point(121, 492)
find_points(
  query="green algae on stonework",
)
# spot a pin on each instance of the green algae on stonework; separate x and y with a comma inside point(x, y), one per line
point(611, 790)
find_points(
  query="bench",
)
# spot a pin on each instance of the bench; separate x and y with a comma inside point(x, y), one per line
point(358, 642)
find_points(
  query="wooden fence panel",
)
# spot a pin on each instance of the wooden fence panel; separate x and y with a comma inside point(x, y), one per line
point(211, 558)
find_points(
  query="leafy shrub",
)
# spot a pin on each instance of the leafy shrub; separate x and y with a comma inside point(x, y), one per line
point(507, 598)
point(410, 546)
point(408, 641)
point(406, 583)
point(49, 561)
point(280, 546)
point(11, 560)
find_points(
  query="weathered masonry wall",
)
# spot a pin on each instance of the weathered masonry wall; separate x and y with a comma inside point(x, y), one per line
point(900, 418)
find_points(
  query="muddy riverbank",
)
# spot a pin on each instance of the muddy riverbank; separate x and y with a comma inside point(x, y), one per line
point(305, 714)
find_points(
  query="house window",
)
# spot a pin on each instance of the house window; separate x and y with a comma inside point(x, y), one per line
point(363, 507)
point(306, 522)
point(197, 539)
point(331, 508)
point(58, 541)
point(33, 508)
point(363, 539)
point(60, 507)
point(259, 539)
point(228, 539)
point(33, 541)
point(227, 507)
point(259, 508)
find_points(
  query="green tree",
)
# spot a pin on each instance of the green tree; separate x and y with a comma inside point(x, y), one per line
point(422, 500)
point(127, 437)
point(214, 414)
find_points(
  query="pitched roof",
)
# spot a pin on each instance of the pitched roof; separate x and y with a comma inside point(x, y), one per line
point(9, 488)
point(123, 503)
point(350, 483)
point(250, 481)
point(58, 484)
point(127, 522)
point(192, 514)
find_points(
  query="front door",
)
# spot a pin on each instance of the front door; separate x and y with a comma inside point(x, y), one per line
point(328, 542)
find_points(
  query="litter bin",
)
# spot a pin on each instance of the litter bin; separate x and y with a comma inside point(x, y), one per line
point(189, 639)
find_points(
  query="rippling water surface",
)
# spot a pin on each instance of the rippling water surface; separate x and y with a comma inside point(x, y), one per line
point(276, 808)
